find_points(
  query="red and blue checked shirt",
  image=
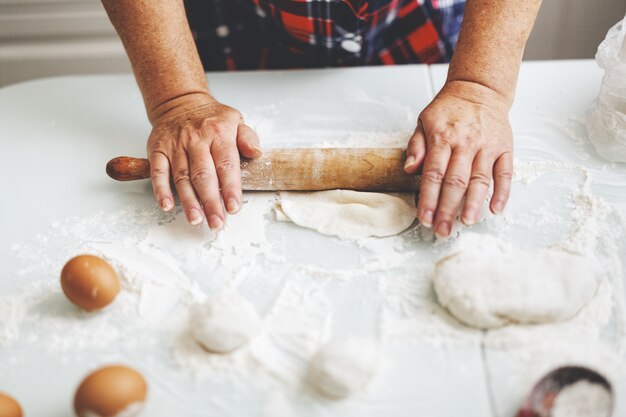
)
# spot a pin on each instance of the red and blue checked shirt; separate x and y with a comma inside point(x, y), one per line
point(258, 34)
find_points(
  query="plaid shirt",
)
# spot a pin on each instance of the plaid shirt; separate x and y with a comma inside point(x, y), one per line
point(257, 34)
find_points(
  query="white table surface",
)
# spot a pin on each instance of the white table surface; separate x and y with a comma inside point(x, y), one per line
point(56, 136)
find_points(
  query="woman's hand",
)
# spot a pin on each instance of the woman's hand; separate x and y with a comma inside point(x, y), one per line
point(197, 141)
point(463, 140)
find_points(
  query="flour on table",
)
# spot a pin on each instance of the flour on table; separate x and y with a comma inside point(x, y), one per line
point(12, 312)
point(167, 266)
point(347, 214)
point(486, 283)
point(582, 399)
point(303, 125)
point(295, 327)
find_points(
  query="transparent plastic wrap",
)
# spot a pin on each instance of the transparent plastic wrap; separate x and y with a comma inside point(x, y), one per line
point(606, 119)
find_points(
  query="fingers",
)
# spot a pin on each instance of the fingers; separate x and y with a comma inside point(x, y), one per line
point(453, 190)
point(160, 177)
point(502, 177)
point(435, 164)
point(182, 182)
point(478, 187)
point(415, 150)
point(205, 182)
point(248, 142)
point(199, 148)
point(467, 177)
point(198, 174)
point(227, 162)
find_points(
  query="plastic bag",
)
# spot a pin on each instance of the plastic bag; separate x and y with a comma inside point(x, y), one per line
point(606, 119)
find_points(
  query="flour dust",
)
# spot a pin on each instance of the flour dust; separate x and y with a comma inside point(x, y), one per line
point(310, 289)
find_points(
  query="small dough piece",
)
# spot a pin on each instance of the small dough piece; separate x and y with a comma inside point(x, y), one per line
point(486, 283)
point(343, 367)
point(348, 214)
point(225, 323)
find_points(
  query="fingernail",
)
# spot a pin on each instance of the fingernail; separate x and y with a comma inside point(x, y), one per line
point(215, 223)
point(195, 217)
point(257, 149)
point(427, 218)
point(497, 207)
point(232, 205)
point(468, 218)
point(166, 204)
point(409, 162)
point(443, 230)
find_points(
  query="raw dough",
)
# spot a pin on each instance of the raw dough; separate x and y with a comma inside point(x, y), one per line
point(486, 283)
point(348, 214)
point(225, 323)
point(343, 367)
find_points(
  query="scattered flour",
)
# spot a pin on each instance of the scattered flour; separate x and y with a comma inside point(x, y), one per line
point(167, 266)
point(303, 128)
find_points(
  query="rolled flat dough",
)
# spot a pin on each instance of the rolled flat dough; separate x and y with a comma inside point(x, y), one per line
point(486, 283)
point(348, 214)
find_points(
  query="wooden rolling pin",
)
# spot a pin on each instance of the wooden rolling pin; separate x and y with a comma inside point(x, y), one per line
point(304, 169)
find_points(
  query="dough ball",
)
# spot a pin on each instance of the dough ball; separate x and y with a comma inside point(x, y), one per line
point(9, 407)
point(344, 367)
point(225, 323)
point(89, 282)
point(486, 283)
point(348, 214)
point(112, 391)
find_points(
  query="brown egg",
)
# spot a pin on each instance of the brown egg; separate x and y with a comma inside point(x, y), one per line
point(89, 282)
point(109, 391)
point(9, 407)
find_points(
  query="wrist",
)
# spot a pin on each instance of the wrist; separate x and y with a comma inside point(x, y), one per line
point(477, 92)
point(176, 105)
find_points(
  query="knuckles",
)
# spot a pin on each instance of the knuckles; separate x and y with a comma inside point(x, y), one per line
point(434, 176)
point(226, 165)
point(201, 176)
point(213, 129)
point(458, 138)
point(480, 178)
point(159, 172)
point(181, 176)
point(455, 181)
point(197, 127)
point(504, 176)
point(441, 138)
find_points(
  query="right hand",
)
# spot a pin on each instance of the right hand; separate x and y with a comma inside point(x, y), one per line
point(197, 141)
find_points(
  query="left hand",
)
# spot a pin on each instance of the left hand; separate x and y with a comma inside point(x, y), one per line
point(463, 140)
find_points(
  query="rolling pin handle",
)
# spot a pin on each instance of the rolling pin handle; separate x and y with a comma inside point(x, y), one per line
point(124, 168)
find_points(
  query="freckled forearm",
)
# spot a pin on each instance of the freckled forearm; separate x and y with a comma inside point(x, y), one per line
point(161, 49)
point(491, 43)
